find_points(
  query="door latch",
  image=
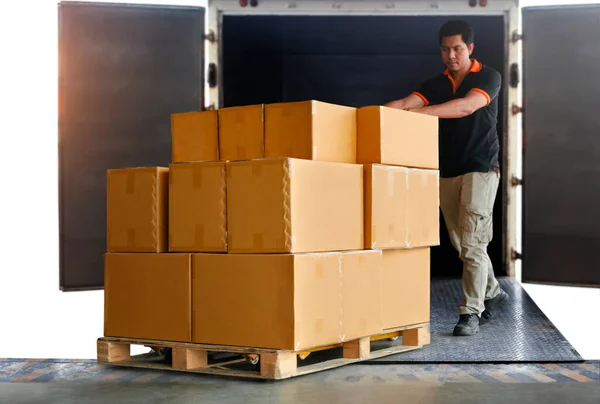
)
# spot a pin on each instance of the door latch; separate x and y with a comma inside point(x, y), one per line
point(516, 109)
point(516, 181)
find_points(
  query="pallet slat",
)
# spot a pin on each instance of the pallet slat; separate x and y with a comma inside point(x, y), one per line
point(273, 364)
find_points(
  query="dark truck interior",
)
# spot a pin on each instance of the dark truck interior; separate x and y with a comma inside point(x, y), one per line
point(356, 61)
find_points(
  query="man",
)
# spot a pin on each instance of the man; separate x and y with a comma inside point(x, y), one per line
point(465, 98)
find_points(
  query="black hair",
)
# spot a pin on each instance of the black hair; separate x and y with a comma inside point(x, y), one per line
point(457, 27)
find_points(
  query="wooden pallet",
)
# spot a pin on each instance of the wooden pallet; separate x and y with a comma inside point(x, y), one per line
point(260, 363)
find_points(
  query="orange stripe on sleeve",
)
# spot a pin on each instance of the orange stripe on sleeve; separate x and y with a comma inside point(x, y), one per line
point(422, 97)
point(484, 93)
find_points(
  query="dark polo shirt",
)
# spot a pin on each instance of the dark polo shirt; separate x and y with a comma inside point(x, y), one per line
point(468, 144)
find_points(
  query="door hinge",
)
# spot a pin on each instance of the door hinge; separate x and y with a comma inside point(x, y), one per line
point(212, 75)
point(516, 37)
point(514, 75)
point(515, 255)
point(516, 181)
point(516, 109)
point(210, 37)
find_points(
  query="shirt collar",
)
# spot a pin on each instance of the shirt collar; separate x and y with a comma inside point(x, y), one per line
point(476, 66)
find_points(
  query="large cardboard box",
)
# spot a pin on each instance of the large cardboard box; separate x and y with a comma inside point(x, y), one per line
point(242, 133)
point(405, 287)
point(136, 209)
point(311, 130)
point(285, 301)
point(195, 136)
point(361, 277)
point(391, 136)
point(401, 207)
point(148, 296)
point(197, 207)
point(291, 205)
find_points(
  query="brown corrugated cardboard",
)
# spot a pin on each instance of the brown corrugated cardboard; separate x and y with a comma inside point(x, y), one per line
point(285, 301)
point(242, 133)
point(391, 136)
point(424, 207)
point(195, 136)
point(405, 287)
point(401, 207)
point(148, 296)
point(136, 209)
point(197, 207)
point(291, 205)
point(361, 298)
point(311, 130)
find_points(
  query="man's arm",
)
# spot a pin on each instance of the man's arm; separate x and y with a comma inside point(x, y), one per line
point(457, 108)
point(412, 101)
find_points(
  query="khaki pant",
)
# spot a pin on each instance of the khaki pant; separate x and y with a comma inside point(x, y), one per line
point(467, 202)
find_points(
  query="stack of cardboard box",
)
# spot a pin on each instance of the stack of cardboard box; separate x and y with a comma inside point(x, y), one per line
point(290, 226)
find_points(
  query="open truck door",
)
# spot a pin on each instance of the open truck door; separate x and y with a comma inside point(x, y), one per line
point(561, 145)
point(123, 70)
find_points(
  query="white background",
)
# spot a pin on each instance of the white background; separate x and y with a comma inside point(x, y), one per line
point(36, 319)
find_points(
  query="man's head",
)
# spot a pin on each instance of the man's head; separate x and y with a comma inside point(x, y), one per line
point(456, 43)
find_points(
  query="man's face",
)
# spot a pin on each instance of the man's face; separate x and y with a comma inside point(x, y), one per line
point(455, 53)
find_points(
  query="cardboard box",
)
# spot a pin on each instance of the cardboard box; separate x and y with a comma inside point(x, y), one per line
point(361, 278)
point(198, 207)
point(242, 133)
point(136, 209)
point(291, 205)
point(148, 296)
point(405, 288)
point(391, 136)
point(311, 130)
point(285, 301)
point(195, 136)
point(401, 207)
point(423, 208)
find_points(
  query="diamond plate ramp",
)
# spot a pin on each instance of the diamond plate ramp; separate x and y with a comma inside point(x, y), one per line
point(519, 332)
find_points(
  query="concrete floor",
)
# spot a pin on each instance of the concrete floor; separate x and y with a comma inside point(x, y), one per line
point(76, 382)
point(307, 390)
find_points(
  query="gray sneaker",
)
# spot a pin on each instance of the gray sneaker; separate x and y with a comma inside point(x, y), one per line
point(491, 305)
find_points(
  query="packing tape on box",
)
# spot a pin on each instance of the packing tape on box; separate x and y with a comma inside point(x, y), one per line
point(391, 229)
point(390, 183)
point(130, 181)
point(199, 235)
point(361, 259)
point(131, 238)
point(319, 271)
point(197, 178)
point(341, 333)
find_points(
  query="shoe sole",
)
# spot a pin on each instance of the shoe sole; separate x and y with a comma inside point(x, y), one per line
point(464, 334)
